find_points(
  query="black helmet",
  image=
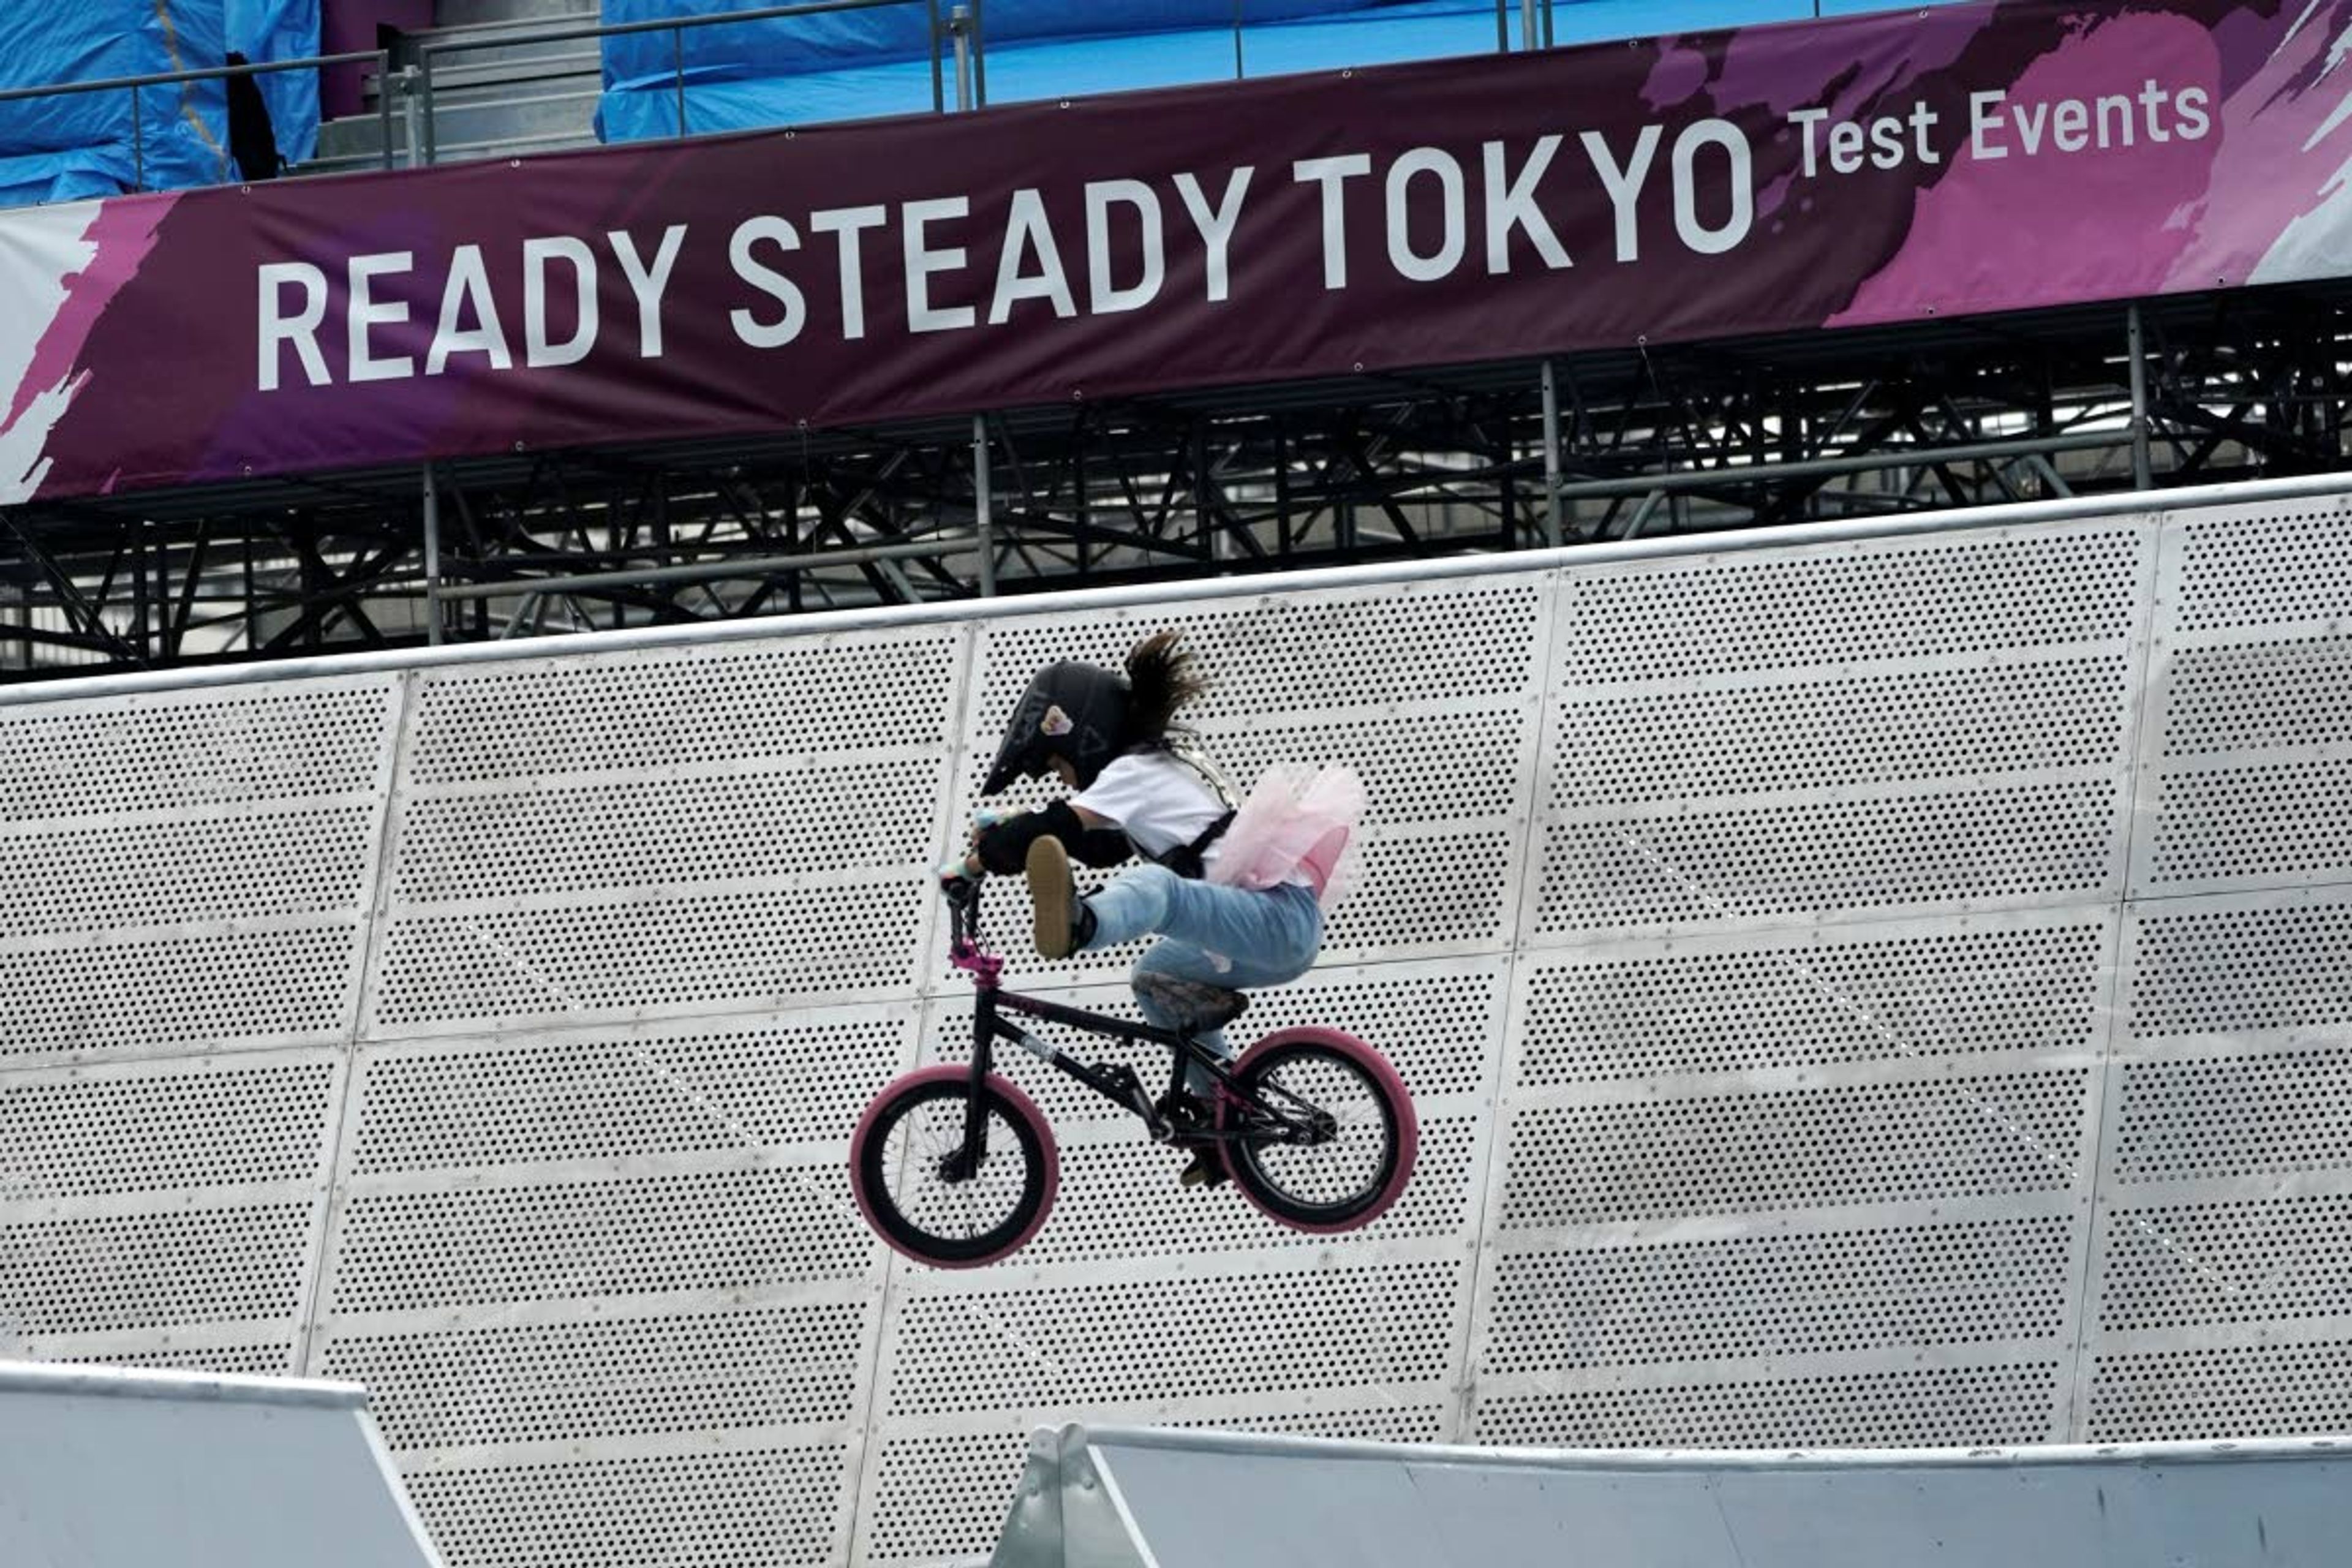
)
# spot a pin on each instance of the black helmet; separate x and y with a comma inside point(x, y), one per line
point(1076, 712)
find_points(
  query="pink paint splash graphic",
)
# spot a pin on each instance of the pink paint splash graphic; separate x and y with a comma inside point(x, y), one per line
point(2286, 137)
point(1774, 69)
point(2266, 183)
point(1756, 65)
point(1678, 75)
point(123, 232)
point(1989, 235)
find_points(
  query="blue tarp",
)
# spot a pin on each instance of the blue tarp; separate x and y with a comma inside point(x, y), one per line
point(282, 30)
point(803, 71)
point(83, 145)
point(59, 149)
point(802, 81)
point(786, 46)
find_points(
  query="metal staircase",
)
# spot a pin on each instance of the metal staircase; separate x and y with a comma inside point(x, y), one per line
point(499, 100)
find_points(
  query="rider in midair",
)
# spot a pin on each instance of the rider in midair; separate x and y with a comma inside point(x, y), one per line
point(1235, 891)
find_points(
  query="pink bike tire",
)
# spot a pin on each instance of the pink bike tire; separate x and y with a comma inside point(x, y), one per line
point(1012, 1102)
point(1384, 1081)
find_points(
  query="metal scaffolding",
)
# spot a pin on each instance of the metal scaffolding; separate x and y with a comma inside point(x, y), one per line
point(1667, 439)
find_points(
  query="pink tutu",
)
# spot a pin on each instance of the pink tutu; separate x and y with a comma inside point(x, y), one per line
point(1297, 819)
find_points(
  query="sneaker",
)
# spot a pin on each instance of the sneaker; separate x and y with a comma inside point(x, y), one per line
point(1064, 921)
point(1205, 1171)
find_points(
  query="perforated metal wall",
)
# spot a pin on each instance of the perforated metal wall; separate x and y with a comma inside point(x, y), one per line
point(1882, 991)
point(2217, 1303)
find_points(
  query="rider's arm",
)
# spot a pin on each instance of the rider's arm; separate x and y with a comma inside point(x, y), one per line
point(1004, 846)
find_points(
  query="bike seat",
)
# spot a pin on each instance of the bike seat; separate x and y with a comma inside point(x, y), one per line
point(1193, 1005)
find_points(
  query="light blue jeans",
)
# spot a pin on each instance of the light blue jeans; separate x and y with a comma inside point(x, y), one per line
point(1238, 938)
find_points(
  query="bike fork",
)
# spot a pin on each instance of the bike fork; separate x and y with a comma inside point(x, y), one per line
point(964, 1164)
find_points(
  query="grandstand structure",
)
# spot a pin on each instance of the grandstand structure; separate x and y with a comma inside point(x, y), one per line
point(1415, 453)
point(1916, 1022)
point(1832, 563)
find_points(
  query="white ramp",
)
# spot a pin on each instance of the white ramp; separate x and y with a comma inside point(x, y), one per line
point(1125, 1498)
point(101, 1468)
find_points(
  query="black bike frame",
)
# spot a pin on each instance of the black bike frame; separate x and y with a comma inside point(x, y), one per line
point(1116, 1083)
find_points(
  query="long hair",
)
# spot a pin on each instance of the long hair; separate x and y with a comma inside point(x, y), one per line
point(1162, 678)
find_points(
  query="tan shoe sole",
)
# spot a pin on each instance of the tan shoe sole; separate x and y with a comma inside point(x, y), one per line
point(1054, 892)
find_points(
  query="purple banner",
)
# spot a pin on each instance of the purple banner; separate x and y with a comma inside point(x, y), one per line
point(1886, 168)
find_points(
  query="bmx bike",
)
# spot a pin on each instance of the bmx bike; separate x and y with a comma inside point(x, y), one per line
point(954, 1166)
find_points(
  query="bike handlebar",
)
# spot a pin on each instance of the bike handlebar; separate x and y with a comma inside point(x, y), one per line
point(963, 908)
point(964, 948)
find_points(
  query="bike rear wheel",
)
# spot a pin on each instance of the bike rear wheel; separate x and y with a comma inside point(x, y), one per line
point(903, 1168)
point(1366, 1134)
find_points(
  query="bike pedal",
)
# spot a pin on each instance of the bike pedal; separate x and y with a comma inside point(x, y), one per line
point(1205, 1171)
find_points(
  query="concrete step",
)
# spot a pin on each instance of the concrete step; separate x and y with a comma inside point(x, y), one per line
point(505, 119)
point(354, 142)
point(454, 83)
point(350, 159)
point(475, 13)
point(492, 122)
point(501, 41)
point(492, 47)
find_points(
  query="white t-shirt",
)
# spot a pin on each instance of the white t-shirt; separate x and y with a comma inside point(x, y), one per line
point(1157, 802)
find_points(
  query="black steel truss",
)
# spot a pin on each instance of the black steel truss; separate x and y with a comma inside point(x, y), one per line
point(1670, 439)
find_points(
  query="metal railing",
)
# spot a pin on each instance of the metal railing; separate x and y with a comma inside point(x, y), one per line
point(961, 35)
point(957, 46)
point(135, 85)
point(677, 27)
point(1535, 24)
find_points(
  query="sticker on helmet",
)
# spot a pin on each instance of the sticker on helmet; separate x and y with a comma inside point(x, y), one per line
point(1054, 723)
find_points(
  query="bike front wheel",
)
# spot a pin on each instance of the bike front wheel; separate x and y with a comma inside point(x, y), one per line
point(922, 1191)
point(1328, 1133)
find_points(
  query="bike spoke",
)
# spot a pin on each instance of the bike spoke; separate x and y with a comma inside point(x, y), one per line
point(929, 1134)
point(1342, 1168)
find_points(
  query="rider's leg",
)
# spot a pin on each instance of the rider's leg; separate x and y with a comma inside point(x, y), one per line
point(1233, 937)
point(1173, 960)
point(1275, 928)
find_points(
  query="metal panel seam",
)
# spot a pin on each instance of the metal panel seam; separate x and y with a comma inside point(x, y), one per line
point(867, 1475)
point(379, 908)
point(2076, 1416)
point(340, 1121)
point(1485, 1243)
